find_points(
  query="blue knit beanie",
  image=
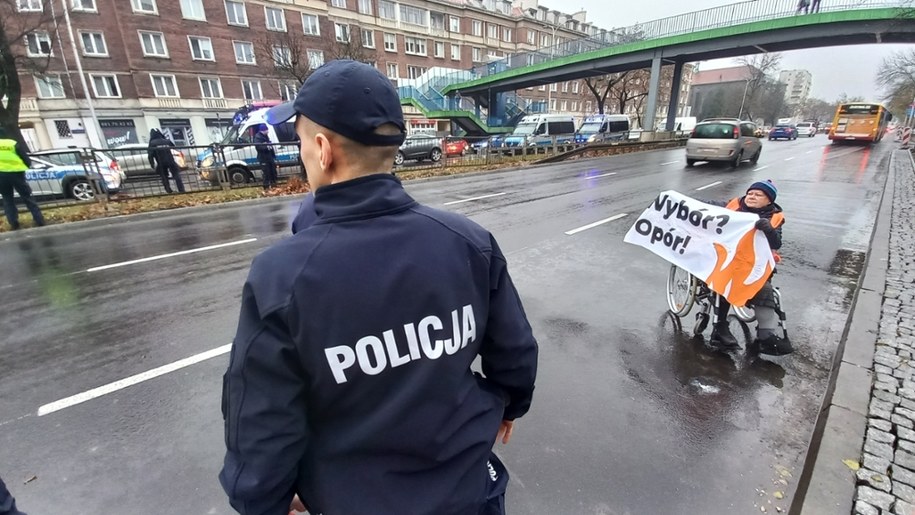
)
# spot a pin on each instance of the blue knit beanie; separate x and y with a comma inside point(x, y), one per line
point(766, 187)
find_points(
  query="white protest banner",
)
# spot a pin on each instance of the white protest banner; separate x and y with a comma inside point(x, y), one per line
point(719, 246)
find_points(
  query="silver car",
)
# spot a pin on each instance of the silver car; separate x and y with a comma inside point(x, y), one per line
point(133, 158)
point(419, 147)
point(728, 140)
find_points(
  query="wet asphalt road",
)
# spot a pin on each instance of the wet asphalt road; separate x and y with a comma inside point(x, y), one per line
point(629, 416)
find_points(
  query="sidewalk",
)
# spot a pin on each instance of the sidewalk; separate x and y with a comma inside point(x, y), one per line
point(886, 477)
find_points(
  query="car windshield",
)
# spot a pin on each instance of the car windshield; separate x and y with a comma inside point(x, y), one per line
point(590, 128)
point(524, 129)
point(805, 125)
point(714, 131)
point(233, 135)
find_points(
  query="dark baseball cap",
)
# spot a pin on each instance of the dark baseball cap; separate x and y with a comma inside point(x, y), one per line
point(350, 98)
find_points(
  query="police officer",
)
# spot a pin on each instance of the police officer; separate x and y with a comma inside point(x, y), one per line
point(266, 155)
point(7, 502)
point(350, 384)
point(14, 161)
point(160, 157)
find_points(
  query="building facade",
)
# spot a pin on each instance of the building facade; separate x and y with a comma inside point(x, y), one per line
point(186, 65)
point(798, 84)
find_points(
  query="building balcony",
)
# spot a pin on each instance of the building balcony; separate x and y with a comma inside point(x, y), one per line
point(28, 104)
point(215, 103)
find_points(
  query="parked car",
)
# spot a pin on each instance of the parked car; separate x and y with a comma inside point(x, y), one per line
point(806, 129)
point(491, 142)
point(134, 161)
point(419, 147)
point(456, 146)
point(728, 140)
point(67, 172)
point(788, 132)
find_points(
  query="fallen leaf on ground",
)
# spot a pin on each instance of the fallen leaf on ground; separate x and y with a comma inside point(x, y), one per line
point(852, 464)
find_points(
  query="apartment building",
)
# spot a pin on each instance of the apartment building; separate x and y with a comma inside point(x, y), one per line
point(798, 86)
point(186, 65)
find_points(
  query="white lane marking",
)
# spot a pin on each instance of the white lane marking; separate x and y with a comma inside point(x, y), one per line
point(761, 168)
point(595, 224)
point(809, 152)
point(716, 183)
point(173, 254)
point(473, 198)
point(788, 158)
point(602, 175)
point(670, 163)
point(130, 381)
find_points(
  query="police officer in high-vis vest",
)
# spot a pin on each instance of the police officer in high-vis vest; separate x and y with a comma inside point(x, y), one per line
point(759, 200)
point(14, 161)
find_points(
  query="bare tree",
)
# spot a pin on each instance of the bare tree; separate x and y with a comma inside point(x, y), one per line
point(759, 67)
point(353, 49)
point(19, 31)
point(817, 109)
point(896, 76)
point(600, 87)
point(289, 52)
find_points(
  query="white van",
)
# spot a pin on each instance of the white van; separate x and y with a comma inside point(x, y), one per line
point(539, 129)
point(239, 150)
point(603, 127)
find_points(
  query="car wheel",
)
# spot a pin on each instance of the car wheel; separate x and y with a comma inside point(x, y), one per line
point(80, 189)
point(755, 158)
point(435, 155)
point(770, 139)
point(737, 160)
point(690, 163)
point(398, 158)
point(238, 175)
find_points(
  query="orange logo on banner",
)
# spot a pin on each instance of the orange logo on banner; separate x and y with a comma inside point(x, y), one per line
point(737, 272)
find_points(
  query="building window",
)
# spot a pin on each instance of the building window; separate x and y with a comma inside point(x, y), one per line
point(492, 31)
point(38, 44)
point(50, 86)
point(477, 28)
point(574, 106)
point(507, 35)
point(236, 14)
point(541, 87)
point(552, 104)
point(393, 72)
point(84, 5)
point(310, 25)
point(588, 106)
point(390, 42)
point(564, 106)
point(365, 7)
point(153, 44)
point(105, 86)
point(455, 52)
point(413, 15)
point(531, 37)
point(201, 48)
point(193, 10)
point(276, 19)
point(575, 86)
point(63, 129)
point(545, 40)
point(251, 89)
point(439, 49)
point(244, 52)
point(368, 38)
point(144, 6)
point(477, 55)
point(341, 32)
point(287, 91)
point(414, 72)
point(93, 44)
point(282, 56)
point(414, 46)
point(565, 87)
point(210, 87)
point(29, 6)
point(387, 10)
point(553, 87)
point(454, 24)
point(338, 3)
point(164, 85)
point(315, 59)
point(437, 21)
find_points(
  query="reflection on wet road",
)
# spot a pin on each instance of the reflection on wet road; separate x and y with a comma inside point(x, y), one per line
point(632, 414)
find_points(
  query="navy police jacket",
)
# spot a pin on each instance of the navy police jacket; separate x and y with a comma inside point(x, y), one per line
point(350, 377)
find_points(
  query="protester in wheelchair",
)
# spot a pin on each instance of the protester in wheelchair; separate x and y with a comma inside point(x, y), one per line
point(759, 199)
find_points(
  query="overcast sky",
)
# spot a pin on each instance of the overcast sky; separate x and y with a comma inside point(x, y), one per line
point(830, 66)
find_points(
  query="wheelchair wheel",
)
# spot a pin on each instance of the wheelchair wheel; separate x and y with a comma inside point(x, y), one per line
point(745, 314)
point(681, 291)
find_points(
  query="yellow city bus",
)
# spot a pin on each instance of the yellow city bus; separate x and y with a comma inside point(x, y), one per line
point(859, 122)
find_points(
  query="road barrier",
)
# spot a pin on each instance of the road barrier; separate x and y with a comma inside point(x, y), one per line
point(906, 136)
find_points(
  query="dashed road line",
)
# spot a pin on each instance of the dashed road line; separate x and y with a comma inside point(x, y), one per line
point(716, 183)
point(595, 224)
point(172, 254)
point(481, 197)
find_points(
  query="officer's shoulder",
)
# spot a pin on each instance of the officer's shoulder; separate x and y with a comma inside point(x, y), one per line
point(458, 224)
point(275, 269)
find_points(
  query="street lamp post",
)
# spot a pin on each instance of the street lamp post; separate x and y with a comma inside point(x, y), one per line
point(742, 100)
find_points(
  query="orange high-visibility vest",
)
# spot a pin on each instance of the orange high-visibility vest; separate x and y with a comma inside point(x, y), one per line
point(776, 220)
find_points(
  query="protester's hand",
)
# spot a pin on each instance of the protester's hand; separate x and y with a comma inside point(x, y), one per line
point(297, 506)
point(505, 431)
point(764, 225)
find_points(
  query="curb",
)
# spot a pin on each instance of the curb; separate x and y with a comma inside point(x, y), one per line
point(826, 485)
point(197, 210)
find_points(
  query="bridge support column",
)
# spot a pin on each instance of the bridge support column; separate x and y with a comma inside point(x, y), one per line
point(651, 106)
point(674, 104)
point(496, 109)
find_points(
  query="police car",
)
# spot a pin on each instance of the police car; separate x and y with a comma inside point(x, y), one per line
point(67, 172)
